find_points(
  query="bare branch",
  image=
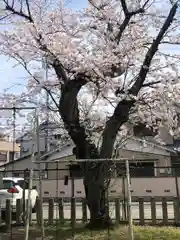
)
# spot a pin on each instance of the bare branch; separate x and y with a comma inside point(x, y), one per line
point(24, 64)
point(151, 52)
point(128, 16)
point(56, 64)
point(145, 4)
point(172, 42)
point(18, 13)
point(28, 8)
point(150, 84)
point(6, 16)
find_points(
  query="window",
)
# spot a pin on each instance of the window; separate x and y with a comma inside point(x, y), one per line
point(3, 156)
point(139, 169)
point(23, 184)
point(7, 184)
point(11, 156)
point(142, 130)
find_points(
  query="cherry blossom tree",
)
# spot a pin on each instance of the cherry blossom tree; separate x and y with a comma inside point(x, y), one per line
point(106, 58)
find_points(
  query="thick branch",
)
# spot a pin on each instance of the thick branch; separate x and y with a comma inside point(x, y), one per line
point(121, 113)
point(128, 16)
point(119, 117)
point(124, 7)
point(68, 108)
point(122, 28)
point(151, 52)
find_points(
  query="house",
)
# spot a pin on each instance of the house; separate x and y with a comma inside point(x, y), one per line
point(9, 151)
point(57, 165)
point(145, 154)
point(137, 151)
point(50, 133)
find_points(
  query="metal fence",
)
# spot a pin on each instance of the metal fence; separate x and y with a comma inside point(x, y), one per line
point(62, 197)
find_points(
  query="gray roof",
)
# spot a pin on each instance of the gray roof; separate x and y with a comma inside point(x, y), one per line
point(67, 150)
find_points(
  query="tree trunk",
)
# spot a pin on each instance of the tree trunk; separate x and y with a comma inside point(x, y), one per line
point(96, 189)
point(96, 200)
point(95, 172)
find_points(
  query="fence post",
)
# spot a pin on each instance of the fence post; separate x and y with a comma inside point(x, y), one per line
point(73, 213)
point(0, 213)
point(38, 212)
point(153, 211)
point(8, 215)
point(177, 185)
point(124, 205)
point(121, 209)
point(51, 211)
point(141, 211)
point(164, 211)
point(30, 215)
point(61, 211)
point(84, 211)
point(117, 209)
point(24, 201)
point(107, 205)
point(176, 210)
point(18, 211)
point(28, 203)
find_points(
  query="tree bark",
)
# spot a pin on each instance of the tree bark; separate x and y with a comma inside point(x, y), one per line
point(96, 182)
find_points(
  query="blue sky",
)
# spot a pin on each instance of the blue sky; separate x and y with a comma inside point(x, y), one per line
point(11, 75)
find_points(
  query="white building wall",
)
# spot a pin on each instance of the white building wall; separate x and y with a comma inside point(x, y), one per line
point(140, 187)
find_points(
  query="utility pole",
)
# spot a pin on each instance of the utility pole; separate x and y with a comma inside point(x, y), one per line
point(14, 110)
point(40, 174)
point(47, 146)
point(14, 132)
